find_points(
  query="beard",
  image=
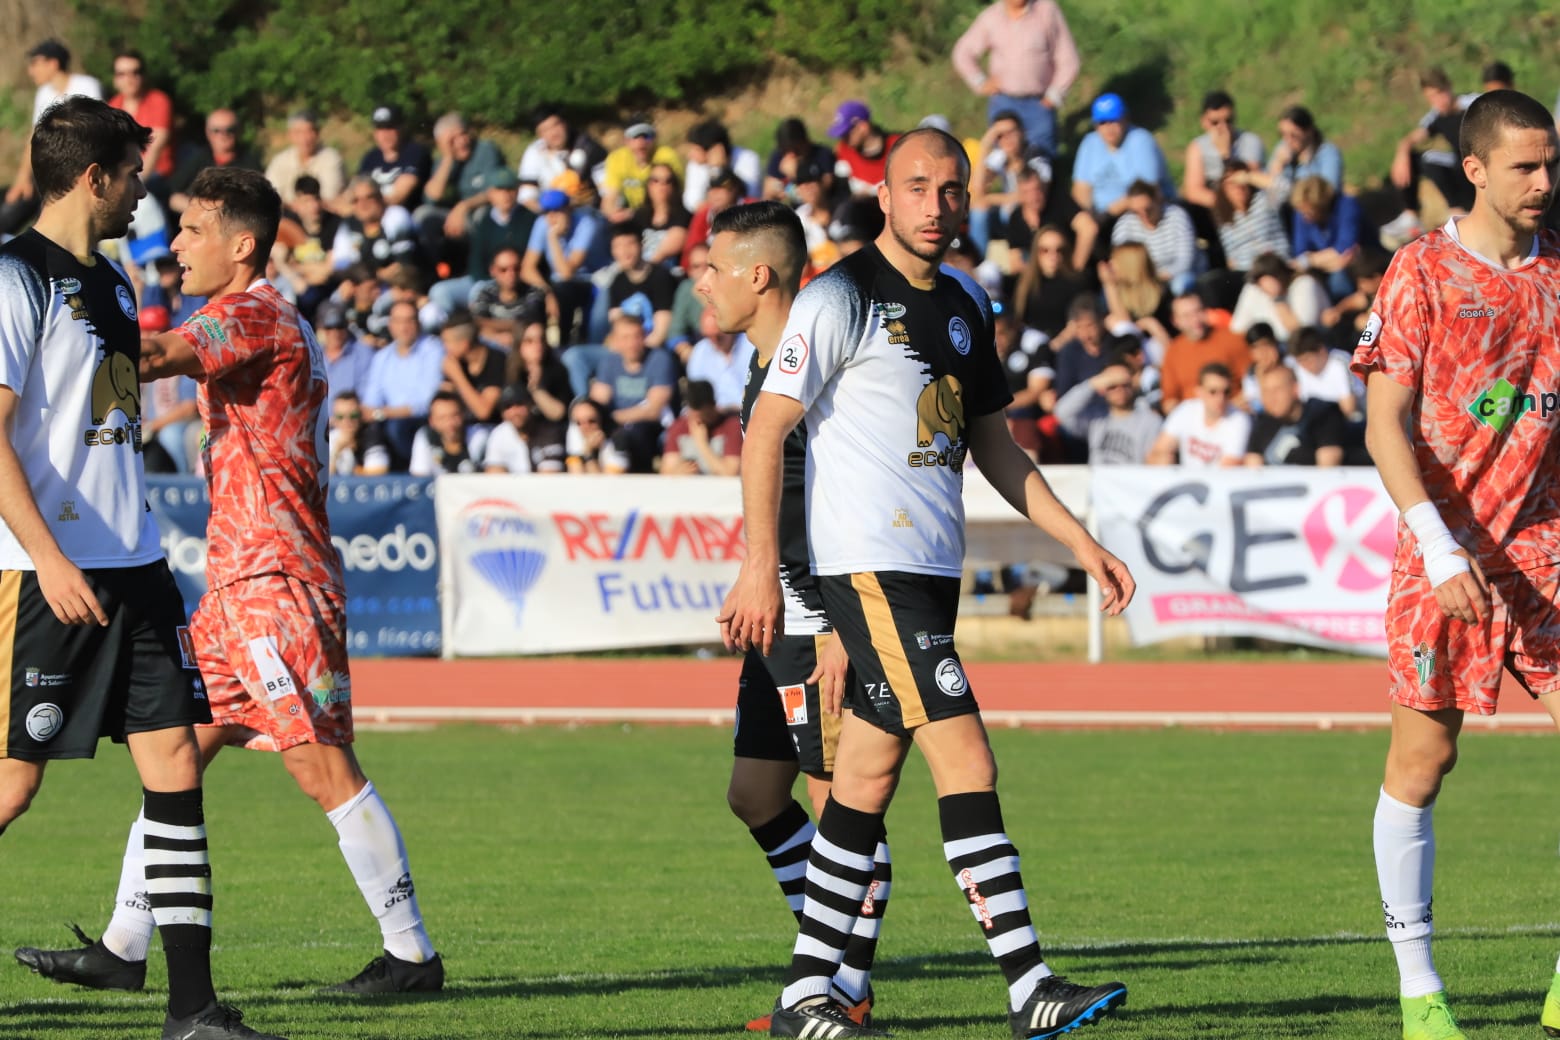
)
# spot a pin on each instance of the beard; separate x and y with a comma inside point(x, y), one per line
point(932, 254)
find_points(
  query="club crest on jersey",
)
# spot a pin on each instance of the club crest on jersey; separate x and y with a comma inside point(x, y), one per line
point(126, 303)
point(959, 335)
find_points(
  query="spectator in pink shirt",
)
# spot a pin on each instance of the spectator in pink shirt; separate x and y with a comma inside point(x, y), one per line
point(1031, 62)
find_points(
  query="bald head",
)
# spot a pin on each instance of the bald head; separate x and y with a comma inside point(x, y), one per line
point(931, 143)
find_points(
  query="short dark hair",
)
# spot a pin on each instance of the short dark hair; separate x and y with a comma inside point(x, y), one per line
point(132, 53)
point(1302, 118)
point(1214, 368)
point(1307, 340)
point(445, 395)
point(76, 133)
point(700, 393)
point(1142, 187)
point(308, 185)
point(1007, 114)
point(1435, 78)
point(709, 133)
point(1259, 333)
point(791, 135)
point(247, 201)
point(1083, 304)
point(52, 49)
point(543, 112)
point(780, 228)
point(1217, 99)
point(1498, 72)
point(1270, 265)
point(1492, 114)
point(460, 317)
point(627, 229)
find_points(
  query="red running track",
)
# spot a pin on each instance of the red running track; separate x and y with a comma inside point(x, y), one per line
point(1266, 694)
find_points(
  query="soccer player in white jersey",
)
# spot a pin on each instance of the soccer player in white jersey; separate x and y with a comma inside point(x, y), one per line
point(1462, 356)
point(91, 624)
point(889, 358)
point(789, 701)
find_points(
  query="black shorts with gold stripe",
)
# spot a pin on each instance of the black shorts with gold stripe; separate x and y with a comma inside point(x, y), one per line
point(779, 717)
point(69, 685)
point(898, 630)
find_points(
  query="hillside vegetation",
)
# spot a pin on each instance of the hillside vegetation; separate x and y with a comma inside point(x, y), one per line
point(1353, 62)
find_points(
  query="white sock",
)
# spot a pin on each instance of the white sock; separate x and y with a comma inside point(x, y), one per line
point(1405, 867)
point(371, 844)
point(129, 931)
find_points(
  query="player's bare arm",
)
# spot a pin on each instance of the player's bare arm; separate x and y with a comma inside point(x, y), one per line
point(61, 581)
point(752, 614)
point(166, 355)
point(1388, 408)
point(1021, 484)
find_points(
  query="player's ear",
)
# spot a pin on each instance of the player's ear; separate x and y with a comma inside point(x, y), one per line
point(883, 196)
point(244, 247)
point(1474, 170)
point(97, 178)
point(763, 277)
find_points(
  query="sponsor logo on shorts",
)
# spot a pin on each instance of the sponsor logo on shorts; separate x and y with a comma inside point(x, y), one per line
point(39, 677)
point(186, 646)
point(793, 699)
point(331, 688)
point(274, 677)
point(926, 640)
point(44, 721)
point(1502, 404)
point(199, 688)
point(950, 677)
point(401, 891)
point(1424, 662)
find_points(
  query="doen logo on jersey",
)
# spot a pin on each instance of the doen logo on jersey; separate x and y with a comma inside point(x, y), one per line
point(114, 386)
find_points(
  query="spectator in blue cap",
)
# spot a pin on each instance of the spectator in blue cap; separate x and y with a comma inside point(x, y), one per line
point(572, 242)
point(1111, 157)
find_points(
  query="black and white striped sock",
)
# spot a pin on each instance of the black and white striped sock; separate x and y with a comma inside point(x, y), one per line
point(786, 841)
point(178, 882)
point(985, 866)
point(839, 873)
point(855, 974)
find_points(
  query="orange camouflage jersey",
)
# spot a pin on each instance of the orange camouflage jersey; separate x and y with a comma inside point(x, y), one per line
point(1480, 346)
point(263, 400)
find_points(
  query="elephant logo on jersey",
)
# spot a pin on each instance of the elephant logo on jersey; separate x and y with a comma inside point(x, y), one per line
point(114, 385)
point(940, 409)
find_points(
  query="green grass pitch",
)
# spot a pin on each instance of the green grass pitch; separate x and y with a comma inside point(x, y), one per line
point(591, 883)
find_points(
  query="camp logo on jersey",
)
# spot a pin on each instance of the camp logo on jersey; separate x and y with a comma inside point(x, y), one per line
point(115, 388)
point(939, 410)
point(1502, 404)
point(959, 335)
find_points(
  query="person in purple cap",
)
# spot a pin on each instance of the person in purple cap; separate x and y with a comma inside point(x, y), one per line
point(863, 147)
point(1114, 155)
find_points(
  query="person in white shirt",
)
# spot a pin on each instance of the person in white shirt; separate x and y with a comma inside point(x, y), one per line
point(710, 147)
point(1276, 295)
point(1323, 373)
point(48, 65)
point(1206, 432)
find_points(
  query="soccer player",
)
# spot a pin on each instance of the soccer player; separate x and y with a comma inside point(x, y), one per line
point(1462, 359)
point(789, 702)
point(889, 357)
point(91, 624)
point(270, 634)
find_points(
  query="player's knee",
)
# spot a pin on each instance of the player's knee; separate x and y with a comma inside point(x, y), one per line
point(1416, 773)
point(751, 805)
point(15, 797)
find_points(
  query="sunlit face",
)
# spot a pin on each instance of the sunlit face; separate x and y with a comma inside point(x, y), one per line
point(1112, 132)
point(222, 131)
point(925, 200)
point(1116, 385)
point(1264, 354)
point(129, 76)
point(627, 250)
point(304, 136)
point(642, 148)
point(1313, 361)
point(628, 340)
point(1145, 206)
point(553, 132)
point(368, 205)
point(404, 327)
point(1010, 138)
point(505, 269)
point(1190, 316)
point(1087, 327)
point(1518, 181)
point(120, 195)
point(698, 261)
point(1215, 394)
point(727, 283)
point(457, 340)
point(1218, 119)
point(209, 257)
point(387, 139)
point(309, 207)
point(533, 344)
point(1442, 101)
point(1294, 138)
point(1031, 193)
point(517, 413)
point(1280, 391)
point(40, 70)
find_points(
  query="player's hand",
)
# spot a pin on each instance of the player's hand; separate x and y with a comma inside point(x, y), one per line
point(1465, 597)
point(1117, 585)
point(752, 614)
point(68, 594)
point(833, 664)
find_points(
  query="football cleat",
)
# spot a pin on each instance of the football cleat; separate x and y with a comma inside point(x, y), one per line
point(90, 964)
point(390, 974)
point(860, 1013)
point(1551, 1019)
point(1057, 1006)
point(213, 1022)
point(1428, 1018)
point(818, 1018)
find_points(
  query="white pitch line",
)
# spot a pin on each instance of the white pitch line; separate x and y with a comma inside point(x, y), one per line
point(367, 716)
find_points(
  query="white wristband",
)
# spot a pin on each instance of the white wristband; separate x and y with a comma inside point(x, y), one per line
point(1436, 544)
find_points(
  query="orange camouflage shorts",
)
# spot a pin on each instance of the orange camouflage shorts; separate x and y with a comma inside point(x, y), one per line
point(272, 651)
point(1437, 662)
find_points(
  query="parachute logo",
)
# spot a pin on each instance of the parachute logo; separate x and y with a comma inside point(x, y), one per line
point(507, 549)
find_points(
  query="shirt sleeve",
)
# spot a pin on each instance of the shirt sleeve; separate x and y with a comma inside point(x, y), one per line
point(219, 339)
point(820, 338)
point(968, 51)
point(1398, 326)
point(21, 321)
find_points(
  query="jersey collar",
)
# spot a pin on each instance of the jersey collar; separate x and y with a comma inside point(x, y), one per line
point(1451, 232)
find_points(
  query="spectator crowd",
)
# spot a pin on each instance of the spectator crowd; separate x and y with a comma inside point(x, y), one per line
point(541, 313)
